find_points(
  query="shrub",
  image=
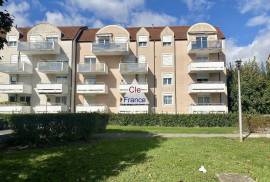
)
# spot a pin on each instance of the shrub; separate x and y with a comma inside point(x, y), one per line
point(180, 120)
point(257, 123)
point(54, 128)
point(4, 121)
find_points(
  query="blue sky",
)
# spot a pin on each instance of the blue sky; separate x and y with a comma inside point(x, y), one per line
point(246, 23)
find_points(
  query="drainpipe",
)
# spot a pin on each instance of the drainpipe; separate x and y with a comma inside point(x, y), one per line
point(74, 69)
point(175, 96)
point(155, 102)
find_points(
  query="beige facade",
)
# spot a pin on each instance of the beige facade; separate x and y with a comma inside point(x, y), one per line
point(62, 69)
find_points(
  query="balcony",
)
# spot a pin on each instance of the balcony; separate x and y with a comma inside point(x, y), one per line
point(53, 67)
point(52, 88)
point(112, 48)
point(214, 46)
point(133, 68)
point(95, 88)
point(91, 108)
point(42, 47)
point(133, 109)
point(55, 108)
point(207, 87)
point(206, 66)
point(208, 108)
point(16, 68)
point(124, 88)
point(15, 88)
point(12, 108)
point(92, 69)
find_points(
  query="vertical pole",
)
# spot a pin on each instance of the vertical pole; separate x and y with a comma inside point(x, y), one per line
point(240, 107)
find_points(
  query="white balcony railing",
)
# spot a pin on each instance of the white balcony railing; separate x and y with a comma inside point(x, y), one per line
point(208, 108)
point(41, 47)
point(52, 88)
point(212, 46)
point(91, 108)
point(96, 88)
point(133, 109)
point(111, 48)
point(15, 88)
point(55, 108)
point(94, 69)
point(206, 66)
point(16, 68)
point(53, 67)
point(124, 88)
point(14, 108)
point(133, 68)
point(207, 87)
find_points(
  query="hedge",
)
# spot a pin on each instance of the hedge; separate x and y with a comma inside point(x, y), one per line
point(257, 123)
point(54, 128)
point(172, 120)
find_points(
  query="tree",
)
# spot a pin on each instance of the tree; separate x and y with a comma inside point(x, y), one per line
point(6, 22)
point(255, 87)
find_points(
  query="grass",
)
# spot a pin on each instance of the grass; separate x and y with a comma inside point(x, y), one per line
point(157, 129)
point(154, 159)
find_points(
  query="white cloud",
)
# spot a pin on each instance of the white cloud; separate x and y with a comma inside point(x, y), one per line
point(255, 6)
point(198, 5)
point(116, 10)
point(149, 18)
point(259, 47)
point(259, 20)
point(20, 13)
point(60, 19)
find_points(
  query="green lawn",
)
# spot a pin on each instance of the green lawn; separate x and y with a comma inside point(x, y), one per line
point(156, 129)
point(154, 159)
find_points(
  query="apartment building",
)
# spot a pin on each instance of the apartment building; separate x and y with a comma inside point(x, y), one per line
point(35, 70)
point(172, 69)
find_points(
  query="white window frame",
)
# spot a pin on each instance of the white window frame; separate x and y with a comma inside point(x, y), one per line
point(162, 60)
point(52, 36)
point(167, 94)
point(167, 75)
point(90, 58)
point(145, 40)
point(203, 96)
point(14, 40)
point(164, 42)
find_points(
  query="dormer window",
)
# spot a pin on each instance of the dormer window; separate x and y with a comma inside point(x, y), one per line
point(52, 39)
point(12, 41)
point(104, 39)
point(142, 42)
point(167, 40)
point(201, 42)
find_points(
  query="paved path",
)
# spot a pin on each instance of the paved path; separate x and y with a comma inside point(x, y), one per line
point(175, 135)
point(5, 132)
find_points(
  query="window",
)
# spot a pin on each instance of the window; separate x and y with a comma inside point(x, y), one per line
point(203, 99)
point(167, 79)
point(167, 40)
point(202, 58)
point(202, 77)
point(61, 79)
point(201, 42)
point(167, 99)
point(167, 60)
point(142, 59)
point(143, 41)
point(104, 39)
point(52, 39)
point(90, 60)
point(12, 41)
point(13, 79)
point(90, 80)
point(61, 100)
point(12, 98)
point(25, 99)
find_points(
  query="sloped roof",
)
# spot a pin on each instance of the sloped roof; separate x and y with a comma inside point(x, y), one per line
point(180, 33)
point(68, 32)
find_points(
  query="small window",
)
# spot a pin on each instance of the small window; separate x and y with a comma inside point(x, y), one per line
point(90, 60)
point(104, 39)
point(61, 100)
point(142, 42)
point(61, 79)
point(167, 40)
point(204, 99)
point(202, 77)
point(13, 79)
point(90, 80)
point(167, 79)
point(167, 60)
point(52, 39)
point(167, 99)
point(202, 58)
point(12, 98)
point(12, 41)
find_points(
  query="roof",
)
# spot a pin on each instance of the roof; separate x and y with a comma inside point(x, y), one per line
point(69, 32)
point(180, 33)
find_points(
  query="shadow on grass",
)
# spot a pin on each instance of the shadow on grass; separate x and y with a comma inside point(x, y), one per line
point(94, 161)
